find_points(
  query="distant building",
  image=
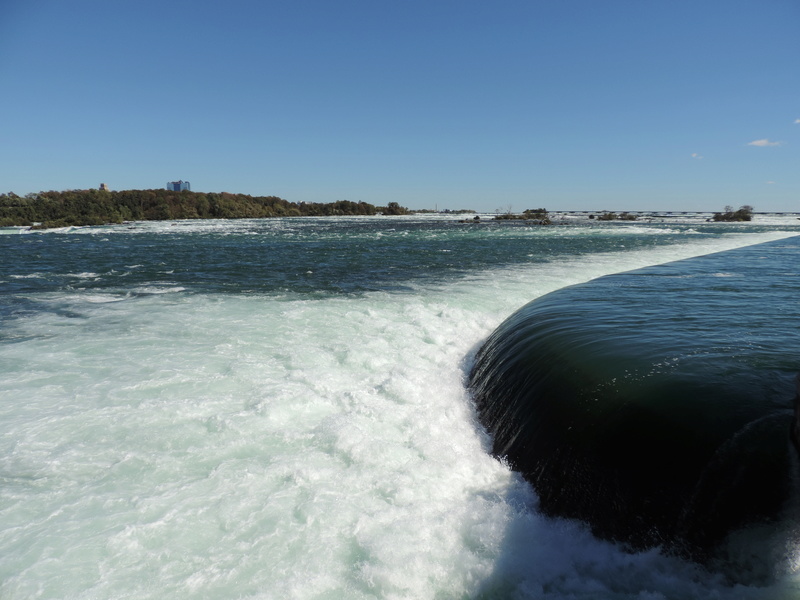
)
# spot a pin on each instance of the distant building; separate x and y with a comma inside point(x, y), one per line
point(104, 187)
point(179, 186)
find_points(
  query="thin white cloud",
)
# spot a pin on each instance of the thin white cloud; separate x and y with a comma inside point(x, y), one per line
point(797, 121)
point(763, 143)
point(770, 183)
point(696, 155)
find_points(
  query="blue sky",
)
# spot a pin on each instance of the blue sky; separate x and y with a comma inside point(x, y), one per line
point(566, 104)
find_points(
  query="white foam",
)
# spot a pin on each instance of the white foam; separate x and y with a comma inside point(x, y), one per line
point(155, 289)
point(243, 446)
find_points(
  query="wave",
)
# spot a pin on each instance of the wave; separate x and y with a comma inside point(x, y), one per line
point(657, 408)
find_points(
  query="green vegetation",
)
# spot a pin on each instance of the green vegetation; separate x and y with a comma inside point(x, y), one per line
point(745, 213)
point(446, 211)
point(98, 207)
point(532, 214)
point(610, 216)
point(394, 209)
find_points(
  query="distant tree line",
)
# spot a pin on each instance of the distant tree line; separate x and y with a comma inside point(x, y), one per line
point(446, 211)
point(99, 207)
point(612, 216)
point(745, 213)
point(539, 215)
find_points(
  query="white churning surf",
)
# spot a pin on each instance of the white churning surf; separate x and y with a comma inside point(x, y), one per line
point(162, 442)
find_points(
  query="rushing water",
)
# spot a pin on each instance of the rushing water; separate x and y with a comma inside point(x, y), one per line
point(276, 409)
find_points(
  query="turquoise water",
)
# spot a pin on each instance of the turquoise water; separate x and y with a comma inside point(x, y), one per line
point(276, 409)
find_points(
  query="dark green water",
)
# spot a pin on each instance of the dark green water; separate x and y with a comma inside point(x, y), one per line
point(657, 404)
point(314, 256)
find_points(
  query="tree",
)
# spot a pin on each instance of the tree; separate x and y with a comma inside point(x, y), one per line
point(745, 213)
point(393, 208)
